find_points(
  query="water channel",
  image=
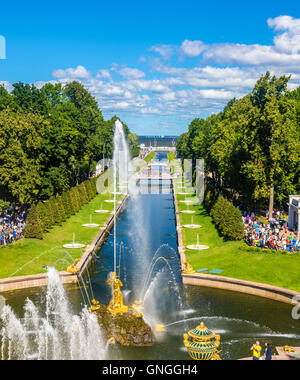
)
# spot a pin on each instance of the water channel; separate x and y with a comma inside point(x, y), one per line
point(148, 265)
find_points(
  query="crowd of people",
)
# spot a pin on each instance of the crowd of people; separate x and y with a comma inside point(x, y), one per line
point(272, 234)
point(12, 223)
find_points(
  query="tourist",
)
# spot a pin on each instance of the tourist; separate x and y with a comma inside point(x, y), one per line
point(273, 234)
point(268, 353)
point(256, 350)
point(12, 224)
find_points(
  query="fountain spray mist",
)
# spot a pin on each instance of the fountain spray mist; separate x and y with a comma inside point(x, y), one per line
point(121, 161)
point(56, 334)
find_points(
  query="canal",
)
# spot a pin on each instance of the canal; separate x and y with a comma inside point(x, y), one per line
point(149, 268)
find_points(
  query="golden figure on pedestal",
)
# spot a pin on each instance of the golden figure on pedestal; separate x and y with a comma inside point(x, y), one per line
point(188, 269)
point(95, 305)
point(116, 305)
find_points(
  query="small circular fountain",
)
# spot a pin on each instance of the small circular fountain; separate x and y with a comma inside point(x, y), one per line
point(91, 225)
point(188, 202)
point(73, 245)
point(197, 247)
point(192, 226)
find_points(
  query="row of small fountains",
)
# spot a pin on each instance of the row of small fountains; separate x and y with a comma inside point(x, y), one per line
point(200, 342)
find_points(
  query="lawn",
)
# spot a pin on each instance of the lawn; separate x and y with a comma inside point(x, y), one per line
point(29, 256)
point(150, 157)
point(273, 268)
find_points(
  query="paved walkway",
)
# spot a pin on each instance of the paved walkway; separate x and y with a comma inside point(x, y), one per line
point(282, 355)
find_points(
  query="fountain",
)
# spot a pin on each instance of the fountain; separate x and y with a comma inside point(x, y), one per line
point(188, 212)
point(55, 334)
point(192, 225)
point(102, 211)
point(73, 245)
point(197, 246)
point(91, 225)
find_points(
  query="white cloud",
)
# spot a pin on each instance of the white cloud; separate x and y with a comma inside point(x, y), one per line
point(79, 72)
point(104, 74)
point(192, 48)
point(289, 41)
point(131, 73)
point(166, 51)
point(7, 85)
point(184, 91)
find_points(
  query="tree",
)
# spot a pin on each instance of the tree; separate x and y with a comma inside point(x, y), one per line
point(6, 100)
point(61, 210)
point(274, 147)
point(33, 227)
point(251, 148)
point(21, 152)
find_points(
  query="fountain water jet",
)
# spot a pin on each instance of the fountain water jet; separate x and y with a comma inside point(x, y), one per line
point(56, 334)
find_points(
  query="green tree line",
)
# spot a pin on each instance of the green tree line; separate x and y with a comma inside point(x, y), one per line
point(46, 214)
point(251, 148)
point(50, 140)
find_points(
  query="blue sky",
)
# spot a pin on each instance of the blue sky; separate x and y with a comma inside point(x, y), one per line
point(156, 64)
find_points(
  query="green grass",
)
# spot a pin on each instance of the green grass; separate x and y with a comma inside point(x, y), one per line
point(171, 156)
point(150, 157)
point(28, 256)
point(274, 268)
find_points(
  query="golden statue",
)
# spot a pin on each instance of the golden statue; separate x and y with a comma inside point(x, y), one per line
point(95, 305)
point(160, 327)
point(73, 269)
point(116, 305)
point(188, 269)
point(201, 346)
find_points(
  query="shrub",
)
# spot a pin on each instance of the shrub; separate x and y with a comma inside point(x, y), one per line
point(210, 196)
point(46, 219)
point(219, 210)
point(33, 226)
point(75, 199)
point(231, 225)
point(83, 194)
point(54, 207)
point(67, 203)
point(50, 214)
point(61, 210)
point(228, 219)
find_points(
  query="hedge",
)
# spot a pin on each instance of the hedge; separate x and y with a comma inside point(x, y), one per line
point(227, 218)
point(55, 210)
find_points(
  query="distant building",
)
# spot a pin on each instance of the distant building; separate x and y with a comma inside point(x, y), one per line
point(158, 141)
point(294, 213)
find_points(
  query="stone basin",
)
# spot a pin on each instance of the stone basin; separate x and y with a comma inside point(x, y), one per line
point(192, 226)
point(73, 245)
point(197, 247)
